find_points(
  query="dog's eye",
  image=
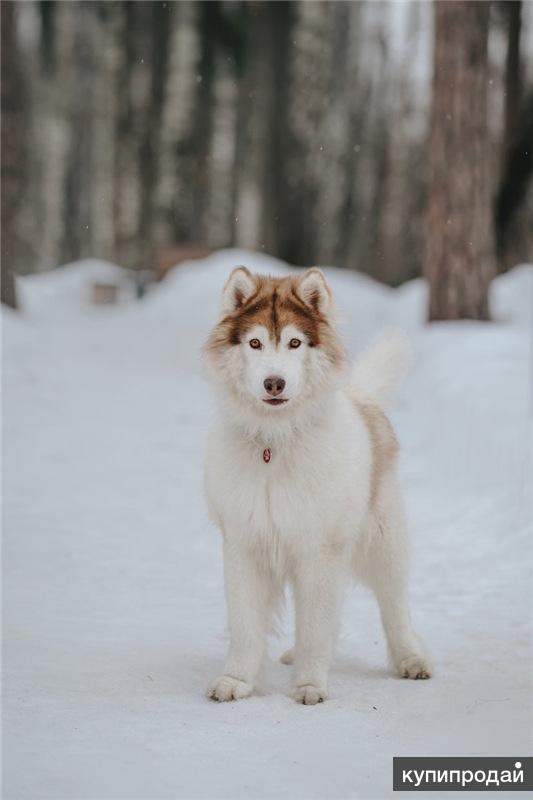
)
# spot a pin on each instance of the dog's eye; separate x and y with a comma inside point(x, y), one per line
point(255, 344)
point(294, 343)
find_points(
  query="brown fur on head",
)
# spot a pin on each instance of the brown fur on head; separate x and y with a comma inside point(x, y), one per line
point(275, 332)
point(302, 301)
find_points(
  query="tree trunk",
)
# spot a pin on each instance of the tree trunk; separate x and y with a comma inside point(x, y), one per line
point(513, 237)
point(302, 111)
point(513, 240)
point(209, 20)
point(11, 133)
point(459, 257)
point(513, 74)
point(244, 111)
point(47, 10)
point(124, 161)
point(161, 22)
point(277, 202)
point(79, 172)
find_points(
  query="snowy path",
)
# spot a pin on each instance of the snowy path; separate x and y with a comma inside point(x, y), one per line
point(114, 618)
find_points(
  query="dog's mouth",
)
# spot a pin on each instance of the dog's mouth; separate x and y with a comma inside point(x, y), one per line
point(275, 401)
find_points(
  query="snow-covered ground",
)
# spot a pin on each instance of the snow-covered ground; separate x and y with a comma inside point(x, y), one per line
point(113, 596)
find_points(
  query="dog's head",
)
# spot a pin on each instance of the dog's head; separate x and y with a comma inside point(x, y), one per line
point(275, 346)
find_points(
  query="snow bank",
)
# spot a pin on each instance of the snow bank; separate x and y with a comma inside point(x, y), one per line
point(67, 290)
point(114, 613)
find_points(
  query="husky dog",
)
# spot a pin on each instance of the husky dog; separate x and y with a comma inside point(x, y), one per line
point(301, 479)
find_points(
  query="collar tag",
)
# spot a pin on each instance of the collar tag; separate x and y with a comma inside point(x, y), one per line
point(267, 455)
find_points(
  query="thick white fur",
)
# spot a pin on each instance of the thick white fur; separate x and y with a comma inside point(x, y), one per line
point(306, 518)
point(379, 369)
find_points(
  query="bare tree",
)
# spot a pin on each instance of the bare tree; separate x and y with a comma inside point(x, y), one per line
point(79, 169)
point(202, 134)
point(512, 207)
point(124, 162)
point(513, 72)
point(458, 258)
point(160, 22)
point(270, 30)
point(11, 152)
point(513, 234)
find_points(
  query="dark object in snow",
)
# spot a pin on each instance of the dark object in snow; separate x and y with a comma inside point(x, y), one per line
point(104, 294)
point(143, 280)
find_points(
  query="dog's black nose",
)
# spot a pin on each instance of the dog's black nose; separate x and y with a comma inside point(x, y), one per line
point(274, 385)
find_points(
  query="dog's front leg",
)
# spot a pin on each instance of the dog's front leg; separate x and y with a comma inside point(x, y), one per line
point(319, 586)
point(247, 599)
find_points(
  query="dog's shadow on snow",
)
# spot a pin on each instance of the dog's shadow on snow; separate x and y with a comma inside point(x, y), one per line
point(189, 674)
point(351, 667)
point(342, 666)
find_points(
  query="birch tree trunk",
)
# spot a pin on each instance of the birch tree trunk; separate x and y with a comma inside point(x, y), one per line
point(459, 257)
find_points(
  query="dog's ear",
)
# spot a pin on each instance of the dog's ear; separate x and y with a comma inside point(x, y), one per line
point(314, 291)
point(239, 287)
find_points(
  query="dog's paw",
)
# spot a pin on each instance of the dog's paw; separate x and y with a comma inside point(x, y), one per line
point(288, 656)
point(309, 695)
point(416, 667)
point(227, 688)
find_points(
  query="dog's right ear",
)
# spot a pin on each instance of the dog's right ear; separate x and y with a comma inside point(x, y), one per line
point(239, 287)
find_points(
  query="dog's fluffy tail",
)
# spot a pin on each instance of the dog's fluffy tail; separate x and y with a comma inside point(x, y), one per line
point(379, 369)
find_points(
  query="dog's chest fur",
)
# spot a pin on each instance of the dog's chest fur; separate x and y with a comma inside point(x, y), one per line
point(314, 488)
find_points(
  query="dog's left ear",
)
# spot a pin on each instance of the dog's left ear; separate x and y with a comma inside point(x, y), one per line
point(239, 287)
point(314, 290)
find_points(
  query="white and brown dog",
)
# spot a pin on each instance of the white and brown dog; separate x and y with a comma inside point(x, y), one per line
point(301, 479)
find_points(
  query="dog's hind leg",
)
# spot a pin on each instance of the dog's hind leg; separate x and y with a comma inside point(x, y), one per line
point(385, 569)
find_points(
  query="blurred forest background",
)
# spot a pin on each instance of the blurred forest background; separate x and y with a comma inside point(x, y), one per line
point(312, 131)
